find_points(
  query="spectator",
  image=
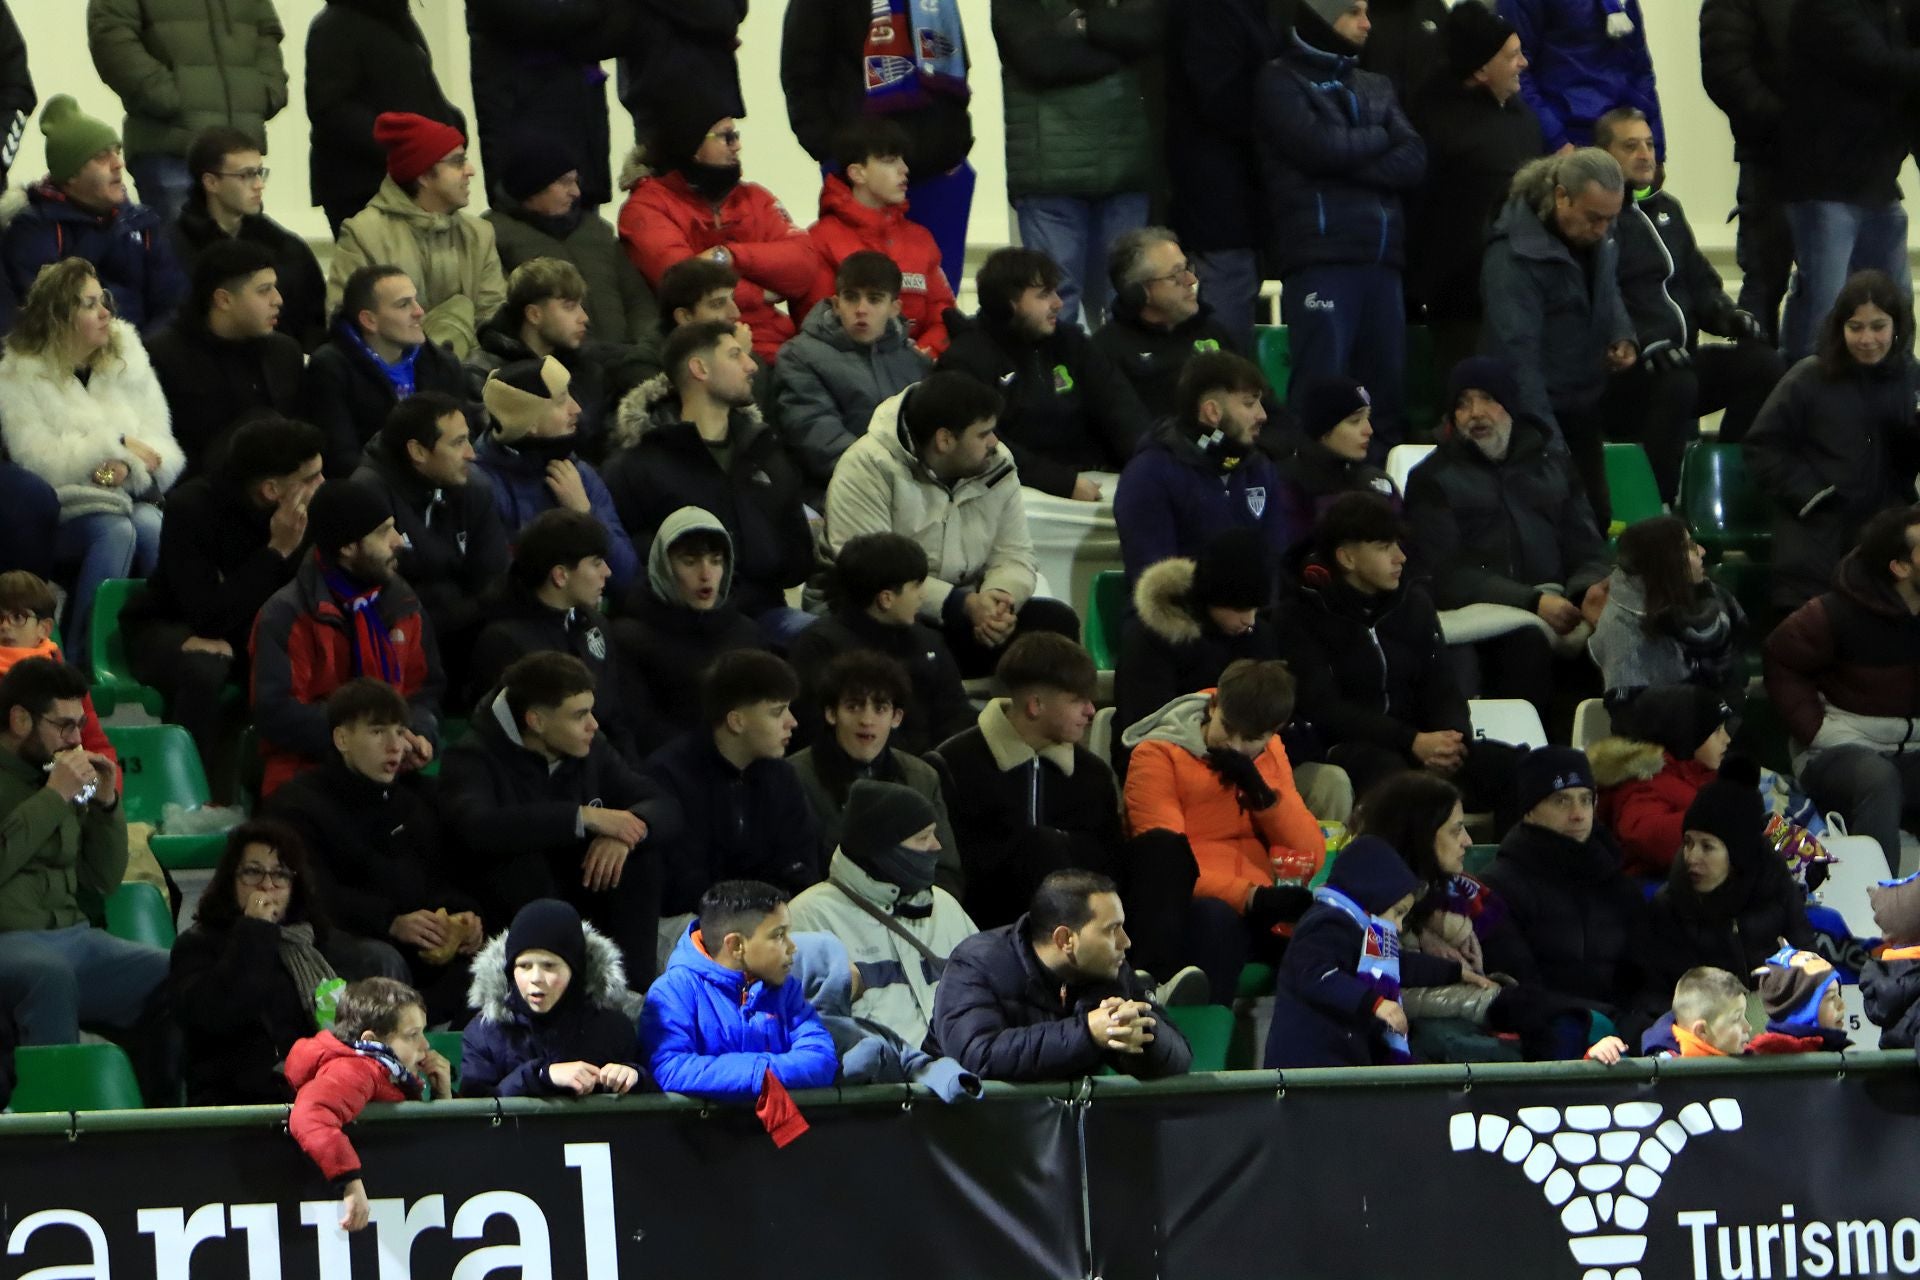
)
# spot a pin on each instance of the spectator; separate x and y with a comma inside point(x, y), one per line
point(680, 619)
point(826, 50)
point(878, 580)
point(746, 811)
point(543, 215)
point(932, 468)
point(75, 388)
point(1479, 130)
point(455, 548)
point(696, 204)
point(862, 695)
point(1159, 322)
point(700, 289)
point(1215, 50)
point(1666, 745)
point(1746, 67)
point(1585, 59)
point(346, 613)
point(1498, 518)
point(67, 834)
point(221, 362)
point(1805, 1011)
point(1079, 133)
point(863, 208)
point(1840, 670)
point(676, 47)
point(28, 608)
point(375, 356)
point(1850, 67)
point(227, 202)
point(1208, 772)
point(532, 461)
point(852, 353)
point(364, 58)
point(81, 210)
point(870, 1053)
point(379, 861)
point(727, 1019)
point(244, 979)
point(181, 68)
point(1027, 796)
point(17, 98)
point(1201, 473)
point(694, 437)
point(1336, 421)
point(232, 539)
point(1375, 679)
point(544, 315)
point(549, 602)
point(880, 892)
point(414, 222)
point(1561, 325)
point(1338, 160)
point(1001, 1013)
point(1888, 980)
point(537, 74)
point(1835, 438)
point(528, 1039)
point(1068, 411)
point(544, 808)
point(1672, 293)
point(1665, 621)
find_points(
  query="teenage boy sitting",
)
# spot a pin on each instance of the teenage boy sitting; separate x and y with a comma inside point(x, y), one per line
point(746, 812)
point(879, 581)
point(851, 353)
point(861, 695)
point(864, 206)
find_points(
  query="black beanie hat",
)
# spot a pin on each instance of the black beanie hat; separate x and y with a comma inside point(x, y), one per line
point(344, 511)
point(1325, 403)
point(1547, 771)
point(534, 164)
point(1680, 717)
point(548, 924)
point(1232, 573)
point(1483, 373)
point(1372, 874)
point(681, 119)
point(1730, 808)
point(879, 817)
point(1473, 34)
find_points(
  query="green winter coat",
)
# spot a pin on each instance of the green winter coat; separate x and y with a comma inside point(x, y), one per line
point(181, 66)
point(620, 307)
point(450, 257)
point(50, 850)
point(1077, 120)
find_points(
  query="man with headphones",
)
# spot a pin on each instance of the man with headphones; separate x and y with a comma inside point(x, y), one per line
point(1159, 321)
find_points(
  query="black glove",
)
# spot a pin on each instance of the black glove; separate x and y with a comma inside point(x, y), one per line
point(1243, 774)
point(1276, 905)
point(1665, 359)
point(1747, 328)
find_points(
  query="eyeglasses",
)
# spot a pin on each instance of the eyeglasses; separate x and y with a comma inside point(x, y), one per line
point(63, 725)
point(20, 617)
point(249, 175)
point(729, 136)
point(267, 875)
point(1184, 271)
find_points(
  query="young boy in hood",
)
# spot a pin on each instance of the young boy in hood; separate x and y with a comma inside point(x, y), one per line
point(376, 1052)
point(555, 1017)
point(1891, 980)
point(1667, 745)
point(1805, 1011)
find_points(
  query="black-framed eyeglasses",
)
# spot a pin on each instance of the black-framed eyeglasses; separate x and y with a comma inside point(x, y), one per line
point(1182, 272)
point(267, 875)
point(259, 174)
point(20, 617)
point(63, 725)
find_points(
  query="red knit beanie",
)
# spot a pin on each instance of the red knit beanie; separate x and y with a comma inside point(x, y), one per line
point(414, 143)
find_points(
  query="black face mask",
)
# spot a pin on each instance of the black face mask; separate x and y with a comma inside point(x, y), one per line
point(546, 448)
point(911, 869)
point(713, 181)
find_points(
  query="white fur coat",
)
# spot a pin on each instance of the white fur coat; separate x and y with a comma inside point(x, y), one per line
point(61, 431)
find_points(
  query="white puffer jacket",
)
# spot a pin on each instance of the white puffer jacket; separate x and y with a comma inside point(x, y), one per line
point(62, 430)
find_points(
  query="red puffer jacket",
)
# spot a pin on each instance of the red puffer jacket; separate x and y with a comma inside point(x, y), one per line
point(333, 1085)
point(666, 221)
point(1644, 794)
point(846, 227)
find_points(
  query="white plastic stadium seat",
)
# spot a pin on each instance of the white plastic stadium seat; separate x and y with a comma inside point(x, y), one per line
point(1590, 722)
point(1100, 734)
point(1511, 720)
point(1402, 459)
point(1860, 866)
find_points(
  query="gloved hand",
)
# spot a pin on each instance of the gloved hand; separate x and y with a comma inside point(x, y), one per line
point(1747, 328)
point(1277, 905)
point(1243, 774)
point(1665, 359)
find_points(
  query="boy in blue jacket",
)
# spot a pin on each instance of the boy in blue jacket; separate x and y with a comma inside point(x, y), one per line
point(728, 1020)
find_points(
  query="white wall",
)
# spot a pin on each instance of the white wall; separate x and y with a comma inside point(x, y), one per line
point(1700, 148)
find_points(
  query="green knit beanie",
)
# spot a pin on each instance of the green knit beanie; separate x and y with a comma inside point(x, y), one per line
point(73, 137)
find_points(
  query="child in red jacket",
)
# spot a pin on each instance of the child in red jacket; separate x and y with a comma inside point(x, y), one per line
point(1667, 744)
point(376, 1052)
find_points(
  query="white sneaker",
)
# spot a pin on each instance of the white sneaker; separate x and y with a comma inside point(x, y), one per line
point(1187, 987)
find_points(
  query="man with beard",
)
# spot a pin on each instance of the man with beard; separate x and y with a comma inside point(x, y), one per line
point(346, 613)
point(1159, 322)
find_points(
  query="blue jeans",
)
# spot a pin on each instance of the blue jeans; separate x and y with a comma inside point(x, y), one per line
point(1831, 241)
point(1230, 284)
point(943, 204)
point(106, 546)
point(1352, 322)
point(161, 182)
point(1075, 233)
point(59, 979)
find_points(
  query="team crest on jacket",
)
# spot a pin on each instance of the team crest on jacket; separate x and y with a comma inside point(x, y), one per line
point(597, 644)
point(460, 540)
point(1257, 500)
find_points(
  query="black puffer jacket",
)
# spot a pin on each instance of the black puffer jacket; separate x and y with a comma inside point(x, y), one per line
point(1671, 290)
point(1734, 928)
point(1745, 64)
point(1215, 49)
point(1169, 647)
point(1581, 922)
point(672, 48)
point(240, 1011)
point(536, 74)
point(1152, 358)
point(1475, 144)
point(215, 384)
point(521, 625)
point(1892, 989)
point(347, 397)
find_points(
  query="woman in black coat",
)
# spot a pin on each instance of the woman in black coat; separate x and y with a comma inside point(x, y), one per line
point(243, 978)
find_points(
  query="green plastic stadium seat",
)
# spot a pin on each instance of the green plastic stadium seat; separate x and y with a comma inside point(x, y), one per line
point(138, 912)
point(189, 853)
point(113, 681)
point(1726, 510)
point(1106, 611)
point(1276, 357)
point(1751, 585)
point(1256, 980)
point(451, 1046)
point(1208, 1029)
point(74, 1077)
point(161, 766)
point(1630, 481)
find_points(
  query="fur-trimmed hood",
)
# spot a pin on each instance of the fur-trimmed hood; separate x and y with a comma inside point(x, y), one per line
point(653, 403)
point(1618, 760)
point(604, 981)
point(1160, 600)
point(634, 168)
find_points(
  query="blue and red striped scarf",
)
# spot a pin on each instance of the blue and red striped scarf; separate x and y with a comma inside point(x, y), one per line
point(373, 653)
point(1378, 964)
point(913, 51)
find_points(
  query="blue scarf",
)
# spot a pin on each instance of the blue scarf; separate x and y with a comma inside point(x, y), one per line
point(1379, 961)
point(372, 651)
point(915, 49)
point(399, 373)
point(409, 1083)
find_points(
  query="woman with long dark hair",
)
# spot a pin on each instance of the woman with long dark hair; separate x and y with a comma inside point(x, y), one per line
point(1665, 622)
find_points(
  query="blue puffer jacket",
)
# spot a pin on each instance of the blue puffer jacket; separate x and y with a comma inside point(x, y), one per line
point(128, 246)
point(1336, 157)
point(1174, 499)
point(1577, 72)
point(709, 1031)
point(520, 492)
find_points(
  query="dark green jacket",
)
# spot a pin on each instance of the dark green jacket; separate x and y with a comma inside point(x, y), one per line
point(1077, 120)
point(50, 850)
point(181, 66)
point(620, 307)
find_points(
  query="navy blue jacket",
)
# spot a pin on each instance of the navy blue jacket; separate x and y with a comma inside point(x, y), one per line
point(507, 1049)
point(128, 246)
point(1578, 73)
point(741, 824)
point(1337, 156)
point(520, 492)
point(1173, 500)
point(1215, 51)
